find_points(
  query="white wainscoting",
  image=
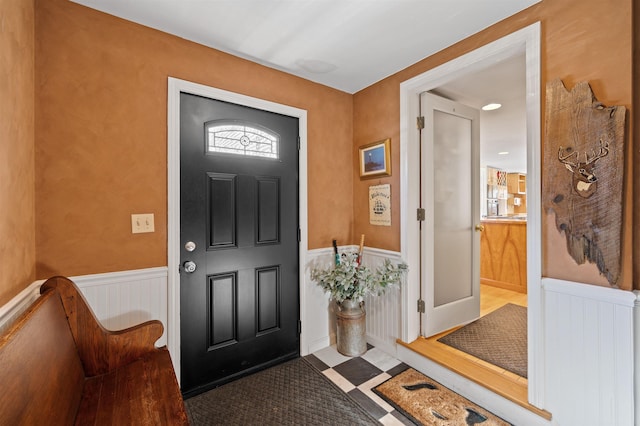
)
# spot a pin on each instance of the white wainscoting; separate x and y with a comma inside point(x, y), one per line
point(589, 346)
point(118, 299)
point(318, 322)
point(383, 318)
point(384, 312)
point(590, 335)
point(123, 299)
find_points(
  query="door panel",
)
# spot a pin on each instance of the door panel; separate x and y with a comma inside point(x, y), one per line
point(222, 313)
point(450, 185)
point(268, 210)
point(239, 205)
point(452, 208)
point(222, 210)
point(268, 295)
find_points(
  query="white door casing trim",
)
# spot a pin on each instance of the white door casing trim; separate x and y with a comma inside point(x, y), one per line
point(526, 40)
point(175, 87)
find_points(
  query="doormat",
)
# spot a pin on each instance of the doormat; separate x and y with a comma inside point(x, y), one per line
point(426, 402)
point(499, 338)
point(292, 393)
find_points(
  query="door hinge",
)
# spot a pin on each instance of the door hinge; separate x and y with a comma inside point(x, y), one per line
point(299, 327)
point(421, 215)
point(299, 235)
point(421, 306)
point(298, 143)
point(420, 122)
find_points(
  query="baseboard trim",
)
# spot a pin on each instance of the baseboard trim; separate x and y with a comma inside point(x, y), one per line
point(505, 285)
point(318, 344)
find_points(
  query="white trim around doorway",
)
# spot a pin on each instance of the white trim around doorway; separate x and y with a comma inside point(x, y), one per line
point(526, 40)
point(175, 87)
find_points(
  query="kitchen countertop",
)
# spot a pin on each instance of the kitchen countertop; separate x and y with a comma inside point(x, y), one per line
point(506, 220)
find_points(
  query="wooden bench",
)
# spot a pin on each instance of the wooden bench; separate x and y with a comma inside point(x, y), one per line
point(59, 366)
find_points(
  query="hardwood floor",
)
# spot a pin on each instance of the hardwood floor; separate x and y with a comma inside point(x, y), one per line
point(492, 298)
point(496, 379)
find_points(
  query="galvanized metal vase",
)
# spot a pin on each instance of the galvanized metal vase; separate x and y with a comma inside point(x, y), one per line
point(351, 328)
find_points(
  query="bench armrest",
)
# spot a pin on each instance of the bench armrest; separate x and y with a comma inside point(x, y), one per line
point(102, 350)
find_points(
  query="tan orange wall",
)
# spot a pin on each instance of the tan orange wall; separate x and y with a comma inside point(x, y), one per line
point(586, 40)
point(376, 116)
point(101, 139)
point(101, 86)
point(635, 145)
point(17, 190)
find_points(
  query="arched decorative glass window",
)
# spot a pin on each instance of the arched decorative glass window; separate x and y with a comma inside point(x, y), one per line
point(240, 138)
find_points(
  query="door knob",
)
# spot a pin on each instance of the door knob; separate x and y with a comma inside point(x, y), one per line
point(189, 266)
point(479, 228)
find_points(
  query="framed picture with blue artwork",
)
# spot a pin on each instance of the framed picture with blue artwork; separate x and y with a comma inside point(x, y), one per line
point(375, 159)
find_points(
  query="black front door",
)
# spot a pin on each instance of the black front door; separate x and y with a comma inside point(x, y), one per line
point(239, 227)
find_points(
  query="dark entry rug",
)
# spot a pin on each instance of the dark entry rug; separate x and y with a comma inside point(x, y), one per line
point(499, 338)
point(426, 402)
point(293, 393)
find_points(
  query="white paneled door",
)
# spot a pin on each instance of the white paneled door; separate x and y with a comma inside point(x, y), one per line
point(450, 233)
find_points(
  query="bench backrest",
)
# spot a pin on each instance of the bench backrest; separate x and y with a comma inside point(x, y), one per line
point(41, 373)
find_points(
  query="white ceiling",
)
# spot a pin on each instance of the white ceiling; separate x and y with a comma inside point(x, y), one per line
point(357, 42)
point(347, 44)
point(504, 129)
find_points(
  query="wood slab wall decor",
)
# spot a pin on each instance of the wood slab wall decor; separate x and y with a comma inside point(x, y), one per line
point(583, 174)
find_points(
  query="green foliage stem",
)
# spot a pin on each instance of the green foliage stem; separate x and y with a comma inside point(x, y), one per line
point(349, 280)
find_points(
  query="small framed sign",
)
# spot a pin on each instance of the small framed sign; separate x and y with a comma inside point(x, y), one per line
point(380, 205)
point(375, 159)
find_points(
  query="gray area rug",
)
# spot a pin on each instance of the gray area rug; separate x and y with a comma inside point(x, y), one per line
point(293, 393)
point(499, 338)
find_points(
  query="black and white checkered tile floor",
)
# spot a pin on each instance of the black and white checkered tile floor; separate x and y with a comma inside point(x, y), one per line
point(358, 375)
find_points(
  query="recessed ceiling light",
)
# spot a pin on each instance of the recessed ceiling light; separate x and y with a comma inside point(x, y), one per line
point(491, 107)
point(503, 153)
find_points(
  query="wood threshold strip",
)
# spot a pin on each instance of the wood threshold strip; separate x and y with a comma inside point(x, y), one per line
point(499, 381)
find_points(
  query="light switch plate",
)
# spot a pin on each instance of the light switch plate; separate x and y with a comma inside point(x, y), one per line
point(141, 223)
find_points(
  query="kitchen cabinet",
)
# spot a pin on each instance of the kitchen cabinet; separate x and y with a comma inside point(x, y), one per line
point(496, 183)
point(516, 183)
point(503, 254)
